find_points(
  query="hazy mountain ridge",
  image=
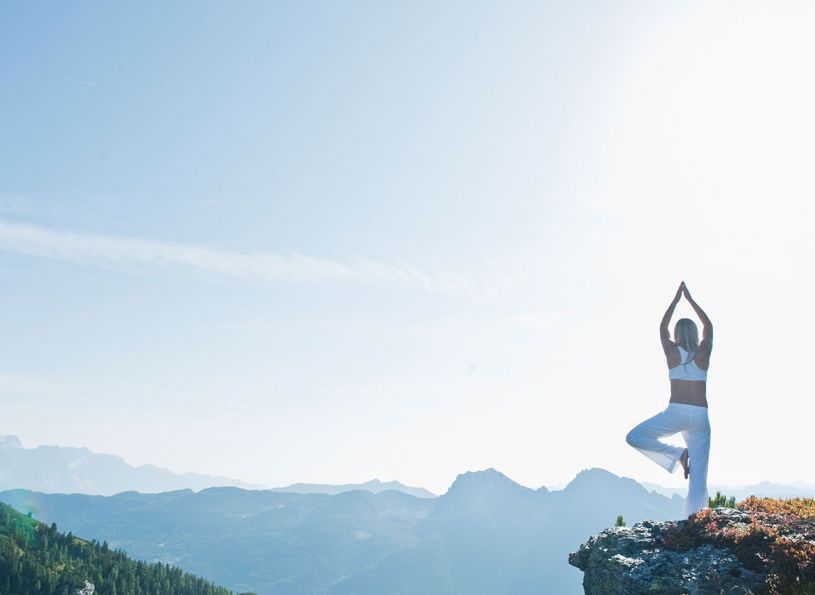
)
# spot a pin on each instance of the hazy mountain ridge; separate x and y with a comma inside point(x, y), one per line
point(374, 486)
point(485, 535)
point(73, 470)
point(66, 469)
point(764, 489)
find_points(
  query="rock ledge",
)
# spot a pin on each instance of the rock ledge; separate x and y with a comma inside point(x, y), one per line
point(764, 546)
point(634, 560)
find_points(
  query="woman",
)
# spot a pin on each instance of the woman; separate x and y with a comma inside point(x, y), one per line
point(688, 361)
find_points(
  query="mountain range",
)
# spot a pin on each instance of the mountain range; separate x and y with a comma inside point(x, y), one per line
point(69, 470)
point(487, 535)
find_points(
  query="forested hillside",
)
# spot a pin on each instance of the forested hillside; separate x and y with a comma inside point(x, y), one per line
point(36, 559)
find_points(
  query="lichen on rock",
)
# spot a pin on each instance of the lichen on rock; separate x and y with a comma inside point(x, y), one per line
point(764, 546)
point(633, 560)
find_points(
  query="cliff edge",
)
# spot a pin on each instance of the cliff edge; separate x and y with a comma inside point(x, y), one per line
point(763, 546)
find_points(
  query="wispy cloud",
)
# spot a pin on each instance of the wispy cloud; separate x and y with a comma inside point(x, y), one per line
point(128, 253)
point(83, 82)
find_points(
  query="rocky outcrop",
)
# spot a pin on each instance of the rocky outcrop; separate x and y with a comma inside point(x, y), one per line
point(633, 560)
point(765, 546)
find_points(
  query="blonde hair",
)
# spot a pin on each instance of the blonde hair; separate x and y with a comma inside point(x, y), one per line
point(686, 335)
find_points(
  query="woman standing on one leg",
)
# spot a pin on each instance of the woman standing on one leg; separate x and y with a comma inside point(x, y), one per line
point(688, 361)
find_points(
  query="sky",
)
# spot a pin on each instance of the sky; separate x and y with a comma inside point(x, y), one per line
point(331, 242)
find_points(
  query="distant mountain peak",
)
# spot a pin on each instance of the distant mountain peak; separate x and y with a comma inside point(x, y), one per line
point(594, 479)
point(10, 441)
point(489, 479)
point(594, 473)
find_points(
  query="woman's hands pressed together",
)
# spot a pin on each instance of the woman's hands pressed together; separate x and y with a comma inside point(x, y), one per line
point(682, 290)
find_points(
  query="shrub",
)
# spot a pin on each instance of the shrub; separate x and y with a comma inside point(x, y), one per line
point(721, 501)
point(803, 508)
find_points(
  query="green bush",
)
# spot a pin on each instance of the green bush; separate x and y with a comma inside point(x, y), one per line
point(721, 501)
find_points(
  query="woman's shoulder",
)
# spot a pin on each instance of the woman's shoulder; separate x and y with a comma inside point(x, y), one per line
point(672, 353)
point(702, 358)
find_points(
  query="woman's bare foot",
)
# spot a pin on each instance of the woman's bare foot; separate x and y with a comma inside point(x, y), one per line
point(684, 462)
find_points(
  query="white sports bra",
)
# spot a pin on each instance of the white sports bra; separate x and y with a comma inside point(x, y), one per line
point(688, 371)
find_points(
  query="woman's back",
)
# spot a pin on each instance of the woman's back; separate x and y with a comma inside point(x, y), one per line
point(688, 378)
point(688, 369)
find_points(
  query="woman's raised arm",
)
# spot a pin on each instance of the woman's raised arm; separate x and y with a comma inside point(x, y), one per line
point(707, 330)
point(664, 333)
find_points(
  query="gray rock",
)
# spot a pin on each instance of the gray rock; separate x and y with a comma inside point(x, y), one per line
point(630, 561)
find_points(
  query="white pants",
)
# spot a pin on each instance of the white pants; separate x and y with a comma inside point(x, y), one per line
point(693, 422)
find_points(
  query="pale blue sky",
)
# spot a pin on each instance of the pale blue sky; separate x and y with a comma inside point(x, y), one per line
point(330, 242)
